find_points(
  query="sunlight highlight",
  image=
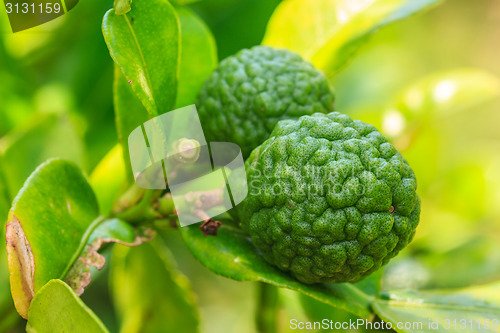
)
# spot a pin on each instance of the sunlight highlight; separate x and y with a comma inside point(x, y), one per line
point(394, 123)
point(444, 91)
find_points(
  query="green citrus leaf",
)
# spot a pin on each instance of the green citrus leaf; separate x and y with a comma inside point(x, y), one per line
point(470, 309)
point(372, 284)
point(122, 6)
point(56, 309)
point(48, 226)
point(329, 32)
point(129, 113)
point(231, 254)
point(45, 137)
point(317, 311)
point(144, 43)
point(198, 56)
point(108, 178)
point(150, 295)
point(236, 24)
point(109, 231)
point(8, 314)
point(9, 319)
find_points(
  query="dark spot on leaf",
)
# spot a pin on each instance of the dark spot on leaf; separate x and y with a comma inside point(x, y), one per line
point(131, 20)
point(210, 227)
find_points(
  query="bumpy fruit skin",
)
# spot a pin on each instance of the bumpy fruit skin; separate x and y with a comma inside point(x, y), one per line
point(330, 199)
point(250, 92)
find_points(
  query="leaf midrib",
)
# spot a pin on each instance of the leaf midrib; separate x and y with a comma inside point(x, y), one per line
point(143, 60)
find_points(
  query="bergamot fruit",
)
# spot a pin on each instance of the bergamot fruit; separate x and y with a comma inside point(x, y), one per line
point(250, 92)
point(330, 199)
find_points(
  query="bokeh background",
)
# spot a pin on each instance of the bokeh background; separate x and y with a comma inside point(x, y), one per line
point(431, 83)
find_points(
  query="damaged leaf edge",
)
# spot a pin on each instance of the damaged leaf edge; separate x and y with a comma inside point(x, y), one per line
point(79, 277)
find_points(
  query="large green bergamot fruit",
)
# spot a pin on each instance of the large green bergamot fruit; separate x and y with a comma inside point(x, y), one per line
point(250, 92)
point(330, 199)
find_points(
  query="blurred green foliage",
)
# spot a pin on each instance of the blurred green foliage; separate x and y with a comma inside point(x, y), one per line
point(149, 294)
point(430, 83)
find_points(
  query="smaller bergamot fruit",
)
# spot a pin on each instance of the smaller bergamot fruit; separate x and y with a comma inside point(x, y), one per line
point(330, 199)
point(250, 92)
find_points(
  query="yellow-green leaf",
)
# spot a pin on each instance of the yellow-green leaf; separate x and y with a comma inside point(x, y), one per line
point(56, 309)
point(108, 178)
